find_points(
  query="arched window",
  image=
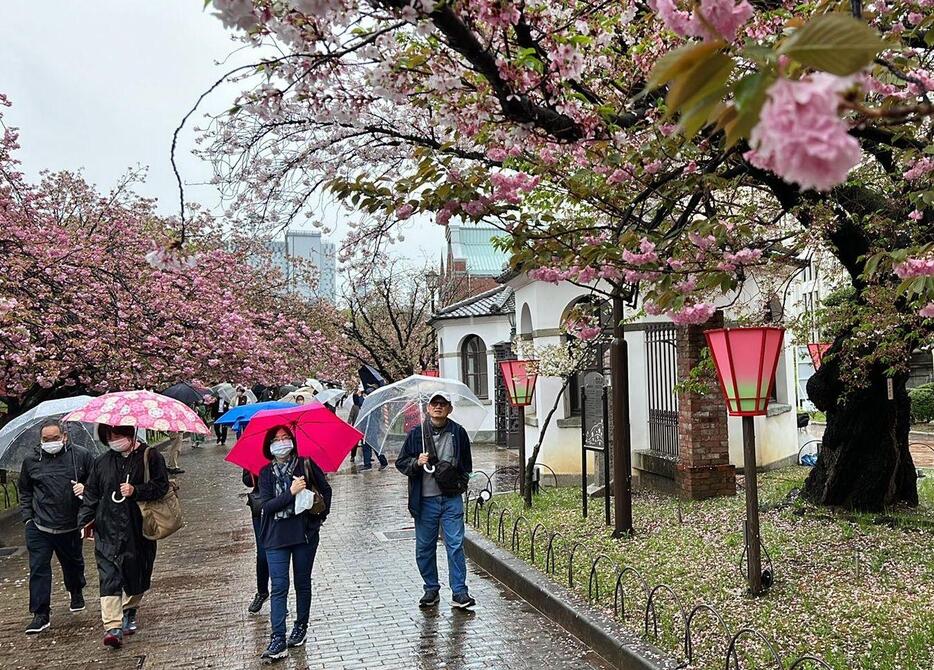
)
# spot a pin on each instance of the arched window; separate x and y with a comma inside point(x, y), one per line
point(473, 365)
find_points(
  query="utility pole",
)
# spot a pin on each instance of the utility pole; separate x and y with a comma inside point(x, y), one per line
point(622, 437)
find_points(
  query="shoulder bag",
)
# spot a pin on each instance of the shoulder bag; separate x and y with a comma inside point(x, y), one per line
point(448, 476)
point(161, 517)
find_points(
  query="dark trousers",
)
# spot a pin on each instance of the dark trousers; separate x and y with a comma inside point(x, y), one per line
point(41, 546)
point(220, 432)
point(368, 456)
point(262, 565)
point(302, 557)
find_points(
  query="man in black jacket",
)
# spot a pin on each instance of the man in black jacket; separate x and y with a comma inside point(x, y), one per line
point(438, 439)
point(51, 484)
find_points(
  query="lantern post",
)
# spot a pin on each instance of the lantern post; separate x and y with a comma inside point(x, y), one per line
point(520, 378)
point(746, 359)
point(817, 351)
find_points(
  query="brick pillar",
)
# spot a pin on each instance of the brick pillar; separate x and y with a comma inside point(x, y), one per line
point(704, 469)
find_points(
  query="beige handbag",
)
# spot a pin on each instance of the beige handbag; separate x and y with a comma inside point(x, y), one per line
point(161, 517)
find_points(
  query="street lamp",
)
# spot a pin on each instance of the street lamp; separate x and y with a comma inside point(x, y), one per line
point(817, 351)
point(520, 378)
point(746, 359)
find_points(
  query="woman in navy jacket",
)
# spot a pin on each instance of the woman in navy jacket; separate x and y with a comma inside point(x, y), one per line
point(289, 537)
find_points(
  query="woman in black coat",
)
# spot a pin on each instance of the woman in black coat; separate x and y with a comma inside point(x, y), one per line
point(289, 537)
point(111, 516)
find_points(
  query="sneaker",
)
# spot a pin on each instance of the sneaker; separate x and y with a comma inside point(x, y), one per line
point(175, 471)
point(383, 464)
point(129, 621)
point(364, 468)
point(430, 599)
point(113, 638)
point(39, 623)
point(77, 601)
point(257, 603)
point(463, 601)
point(297, 638)
point(277, 648)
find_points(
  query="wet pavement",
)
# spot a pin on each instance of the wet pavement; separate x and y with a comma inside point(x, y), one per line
point(364, 609)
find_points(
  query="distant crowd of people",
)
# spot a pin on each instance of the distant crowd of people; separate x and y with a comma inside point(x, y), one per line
point(68, 496)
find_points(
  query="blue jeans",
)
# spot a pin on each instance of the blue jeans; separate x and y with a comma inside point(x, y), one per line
point(448, 514)
point(302, 557)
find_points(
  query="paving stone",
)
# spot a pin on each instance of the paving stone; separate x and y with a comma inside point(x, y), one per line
point(365, 591)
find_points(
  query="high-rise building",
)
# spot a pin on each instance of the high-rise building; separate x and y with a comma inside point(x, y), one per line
point(311, 247)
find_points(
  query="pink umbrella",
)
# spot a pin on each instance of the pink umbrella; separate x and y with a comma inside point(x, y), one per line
point(319, 435)
point(141, 409)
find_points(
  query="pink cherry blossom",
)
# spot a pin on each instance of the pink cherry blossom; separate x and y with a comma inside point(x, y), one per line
point(800, 136)
point(404, 211)
point(915, 267)
point(692, 314)
point(927, 311)
point(723, 18)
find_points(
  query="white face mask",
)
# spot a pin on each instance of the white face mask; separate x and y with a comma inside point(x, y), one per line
point(52, 447)
point(281, 448)
point(120, 444)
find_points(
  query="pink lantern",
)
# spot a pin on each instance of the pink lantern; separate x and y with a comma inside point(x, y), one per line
point(746, 359)
point(431, 373)
point(817, 351)
point(520, 378)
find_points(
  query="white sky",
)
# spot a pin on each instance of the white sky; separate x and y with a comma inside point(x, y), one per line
point(102, 84)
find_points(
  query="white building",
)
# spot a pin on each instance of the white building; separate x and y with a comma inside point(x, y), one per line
point(307, 246)
point(473, 333)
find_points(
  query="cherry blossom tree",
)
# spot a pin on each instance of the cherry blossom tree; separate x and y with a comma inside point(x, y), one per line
point(686, 146)
point(81, 310)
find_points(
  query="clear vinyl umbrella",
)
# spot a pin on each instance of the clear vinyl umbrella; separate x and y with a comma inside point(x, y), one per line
point(330, 396)
point(391, 411)
point(229, 393)
point(21, 436)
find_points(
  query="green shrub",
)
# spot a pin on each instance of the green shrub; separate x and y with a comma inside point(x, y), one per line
point(922, 403)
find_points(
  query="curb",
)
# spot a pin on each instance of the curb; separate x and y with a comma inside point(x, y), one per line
point(621, 648)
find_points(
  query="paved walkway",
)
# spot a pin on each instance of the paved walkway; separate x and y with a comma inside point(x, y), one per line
point(364, 612)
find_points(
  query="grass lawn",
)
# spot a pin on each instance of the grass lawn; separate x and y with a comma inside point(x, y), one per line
point(857, 591)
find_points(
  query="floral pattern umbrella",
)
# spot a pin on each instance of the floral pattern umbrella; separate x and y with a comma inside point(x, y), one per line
point(141, 409)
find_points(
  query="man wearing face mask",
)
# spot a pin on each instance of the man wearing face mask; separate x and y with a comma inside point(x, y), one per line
point(125, 557)
point(51, 484)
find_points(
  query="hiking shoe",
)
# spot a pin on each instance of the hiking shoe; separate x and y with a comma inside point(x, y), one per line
point(39, 623)
point(257, 603)
point(430, 599)
point(463, 601)
point(277, 648)
point(129, 621)
point(77, 601)
point(113, 638)
point(297, 638)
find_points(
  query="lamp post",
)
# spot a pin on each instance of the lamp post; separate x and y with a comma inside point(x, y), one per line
point(746, 359)
point(817, 351)
point(520, 378)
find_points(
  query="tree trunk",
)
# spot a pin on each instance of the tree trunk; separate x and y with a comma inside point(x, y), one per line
point(864, 463)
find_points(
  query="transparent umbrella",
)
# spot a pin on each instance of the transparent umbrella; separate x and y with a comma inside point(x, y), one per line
point(391, 411)
point(21, 436)
point(330, 396)
point(229, 393)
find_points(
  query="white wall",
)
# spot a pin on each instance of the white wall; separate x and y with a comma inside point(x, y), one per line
point(451, 334)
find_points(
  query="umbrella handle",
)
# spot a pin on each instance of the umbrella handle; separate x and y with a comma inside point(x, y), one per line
point(428, 468)
point(113, 496)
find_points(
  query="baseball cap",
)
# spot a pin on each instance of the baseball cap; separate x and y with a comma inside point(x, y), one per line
point(442, 394)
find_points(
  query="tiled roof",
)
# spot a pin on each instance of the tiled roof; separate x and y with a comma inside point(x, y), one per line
point(472, 243)
point(497, 301)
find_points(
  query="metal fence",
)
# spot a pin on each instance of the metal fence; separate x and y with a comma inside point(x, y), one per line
point(632, 593)
point(661, 359)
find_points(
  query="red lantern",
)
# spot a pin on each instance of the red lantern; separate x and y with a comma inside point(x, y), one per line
point(520, 378)
point(746, 359)
point(817, 351)
point(431, 373)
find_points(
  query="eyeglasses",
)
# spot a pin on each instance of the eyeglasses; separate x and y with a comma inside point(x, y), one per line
point(439, 403)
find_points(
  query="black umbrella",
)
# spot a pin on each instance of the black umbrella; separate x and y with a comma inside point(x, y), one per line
point(370, 377)
point(186, 393)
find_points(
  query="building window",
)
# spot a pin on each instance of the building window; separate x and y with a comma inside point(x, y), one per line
point(473, 366)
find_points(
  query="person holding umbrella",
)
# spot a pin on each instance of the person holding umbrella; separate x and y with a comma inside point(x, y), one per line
point(262, 565)
point(110, 515)
point(51, 484)
point(289, 532)
point(436, 458)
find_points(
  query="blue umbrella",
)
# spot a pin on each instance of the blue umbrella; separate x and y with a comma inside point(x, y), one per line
point(238, 417)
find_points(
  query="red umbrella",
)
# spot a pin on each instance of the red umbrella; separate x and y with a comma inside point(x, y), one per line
point(319, 434)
